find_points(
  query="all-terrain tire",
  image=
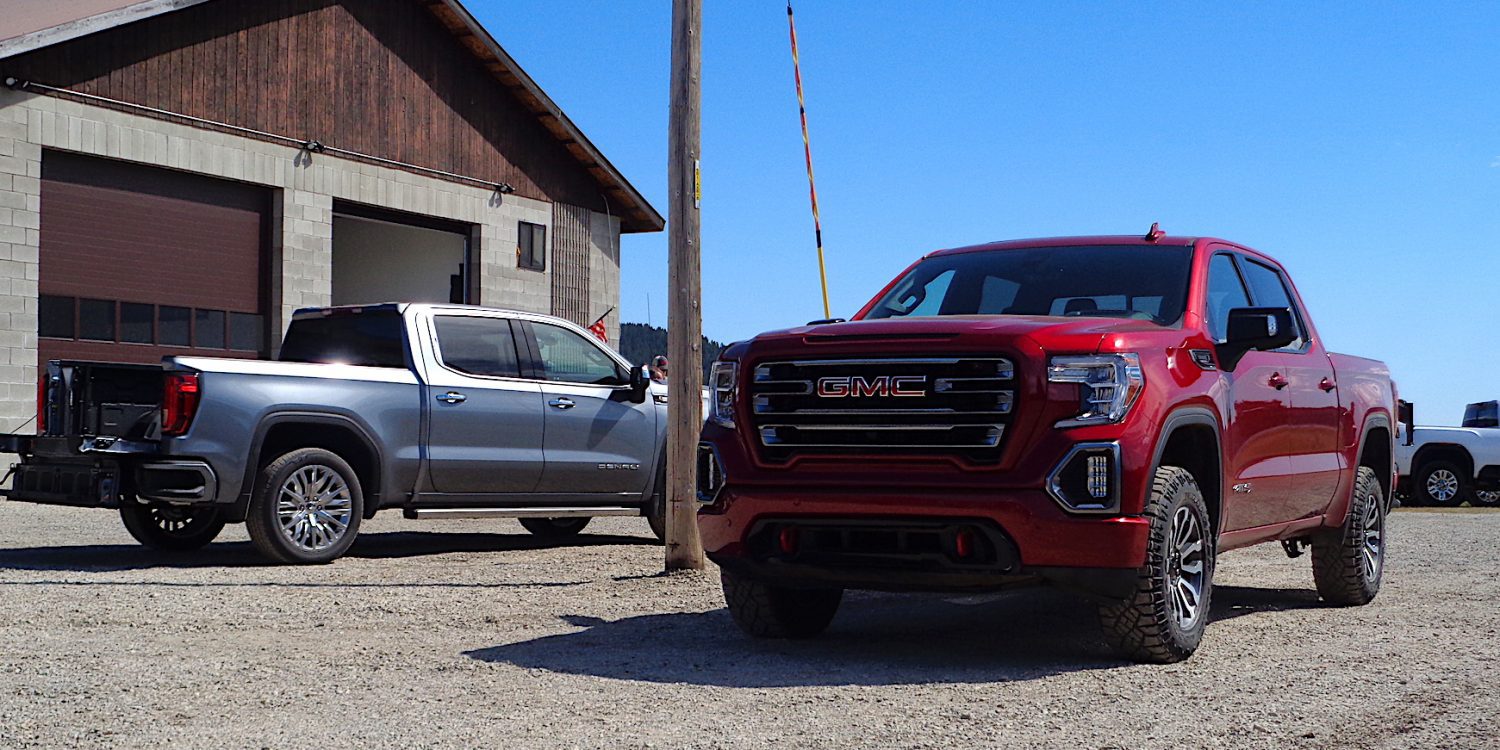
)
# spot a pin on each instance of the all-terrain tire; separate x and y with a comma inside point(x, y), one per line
point(1349, 562)
point(555, 529)
point(1440, 476)
point(767, 611)
point(1164, 619)
point(1485, 499)
point(172, 528)
point(306, 507)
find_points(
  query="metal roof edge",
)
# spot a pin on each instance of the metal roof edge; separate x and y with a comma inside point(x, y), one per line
point(84, 26)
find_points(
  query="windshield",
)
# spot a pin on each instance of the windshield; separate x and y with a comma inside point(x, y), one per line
point(1113, 281)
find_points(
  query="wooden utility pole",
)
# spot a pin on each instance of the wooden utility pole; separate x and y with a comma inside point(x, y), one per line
point(684, 282)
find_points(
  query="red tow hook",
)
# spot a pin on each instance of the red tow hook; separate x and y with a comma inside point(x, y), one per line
point(963, 543)
point(786, 540)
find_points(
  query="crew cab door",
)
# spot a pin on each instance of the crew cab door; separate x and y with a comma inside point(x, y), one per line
point(485, 432)
point(598, 442)
point(1257, 428)
point(1312, 443)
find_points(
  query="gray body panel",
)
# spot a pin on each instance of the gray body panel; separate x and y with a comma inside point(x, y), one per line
point(493, 447)
point(242, 399)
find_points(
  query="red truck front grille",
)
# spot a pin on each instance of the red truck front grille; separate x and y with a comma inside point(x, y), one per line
point(907, 405)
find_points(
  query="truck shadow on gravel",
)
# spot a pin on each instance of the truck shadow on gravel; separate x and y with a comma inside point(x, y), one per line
point(374, 546)
point(877, 639)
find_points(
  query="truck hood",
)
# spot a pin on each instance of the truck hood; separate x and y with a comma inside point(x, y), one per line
point(963, 332)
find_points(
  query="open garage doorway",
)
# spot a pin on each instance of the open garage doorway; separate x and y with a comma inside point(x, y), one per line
point(389, 256)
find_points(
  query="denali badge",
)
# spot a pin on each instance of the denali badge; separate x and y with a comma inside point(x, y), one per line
point(846, 386)
point(620, 467)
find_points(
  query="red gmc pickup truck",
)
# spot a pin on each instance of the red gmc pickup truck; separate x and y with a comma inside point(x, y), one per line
point(1104, 414)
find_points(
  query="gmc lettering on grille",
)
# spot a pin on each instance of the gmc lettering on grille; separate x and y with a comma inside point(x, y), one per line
point(858, 386)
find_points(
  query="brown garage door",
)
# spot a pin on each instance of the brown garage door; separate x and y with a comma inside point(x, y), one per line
point(138, 263)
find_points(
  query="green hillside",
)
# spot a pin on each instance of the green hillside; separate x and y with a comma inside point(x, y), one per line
point(640, 342)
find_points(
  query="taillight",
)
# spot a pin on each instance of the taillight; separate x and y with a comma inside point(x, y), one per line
point(179, 402)
point(41, 404)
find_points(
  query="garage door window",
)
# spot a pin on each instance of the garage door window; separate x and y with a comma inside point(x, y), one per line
point(110, 321)
point(96, 320)
point(175, 325)
point(137, 323)
point(55, 316)
point(245, 331)
point(208, 329)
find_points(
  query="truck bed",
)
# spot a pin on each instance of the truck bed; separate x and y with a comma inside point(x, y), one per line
point(100, 399)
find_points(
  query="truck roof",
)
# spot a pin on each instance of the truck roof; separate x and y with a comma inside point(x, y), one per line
point(1112, 239)
point(402, 307)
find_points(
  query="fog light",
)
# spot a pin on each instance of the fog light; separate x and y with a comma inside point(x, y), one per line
point(1099, 477)
point(1087, 479)
point(710, 474)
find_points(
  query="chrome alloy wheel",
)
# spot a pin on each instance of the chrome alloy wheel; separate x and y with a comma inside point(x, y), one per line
point(314, 507)
point(1442, 485)
point(1185, 573)
point(1374, 526)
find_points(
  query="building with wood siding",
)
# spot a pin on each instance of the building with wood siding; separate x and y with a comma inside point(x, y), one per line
point(179, 176)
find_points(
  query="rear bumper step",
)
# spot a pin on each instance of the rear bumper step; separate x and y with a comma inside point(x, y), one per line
point(574, 512)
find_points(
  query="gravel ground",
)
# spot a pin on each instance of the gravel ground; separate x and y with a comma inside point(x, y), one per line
point(470, 634)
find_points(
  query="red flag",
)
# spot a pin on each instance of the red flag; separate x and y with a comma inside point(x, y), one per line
point(599, 331)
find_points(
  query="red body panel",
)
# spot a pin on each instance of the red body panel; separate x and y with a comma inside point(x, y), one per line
point(1290, 428)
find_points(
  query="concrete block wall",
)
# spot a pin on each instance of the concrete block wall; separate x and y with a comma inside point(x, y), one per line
point(503, 283)
point(305, 187)
point(20, 224)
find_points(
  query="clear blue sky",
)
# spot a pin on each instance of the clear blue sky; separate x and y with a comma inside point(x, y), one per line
point(1358, 144)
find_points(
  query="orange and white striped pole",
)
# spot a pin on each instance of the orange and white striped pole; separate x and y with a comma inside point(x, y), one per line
point(812, 186)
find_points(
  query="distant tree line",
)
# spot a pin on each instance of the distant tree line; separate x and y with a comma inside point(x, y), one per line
point(640, 342)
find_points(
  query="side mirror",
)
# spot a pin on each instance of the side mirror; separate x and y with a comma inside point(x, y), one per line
point(1255, 329)
point(640, 383)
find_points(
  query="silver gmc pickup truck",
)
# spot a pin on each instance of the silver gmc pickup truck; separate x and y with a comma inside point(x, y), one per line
point(441, 411)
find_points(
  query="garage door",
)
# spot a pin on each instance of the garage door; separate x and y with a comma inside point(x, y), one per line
point(138, 263)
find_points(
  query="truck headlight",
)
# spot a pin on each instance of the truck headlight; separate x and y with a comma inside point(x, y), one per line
point(1108, 385)
point(721, 385)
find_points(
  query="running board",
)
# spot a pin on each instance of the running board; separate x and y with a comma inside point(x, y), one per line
point(585, 512)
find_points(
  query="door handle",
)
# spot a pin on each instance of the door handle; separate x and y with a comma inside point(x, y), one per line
point(1277, 381)
point(561, 403)
point(452, 397)
point(1327, 384)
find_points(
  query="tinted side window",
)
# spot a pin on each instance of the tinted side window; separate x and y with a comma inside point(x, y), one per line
point(1270, 290)
point(1226, 291)
point(372, 338)
point(568, 357)
point(478, 346)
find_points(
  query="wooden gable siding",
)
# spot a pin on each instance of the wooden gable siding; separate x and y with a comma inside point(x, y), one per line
point(382, 77)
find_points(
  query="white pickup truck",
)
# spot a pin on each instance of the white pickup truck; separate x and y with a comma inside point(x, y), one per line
point(1446, 466)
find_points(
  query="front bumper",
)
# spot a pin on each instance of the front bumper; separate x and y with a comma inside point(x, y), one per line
point(1028, 537)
